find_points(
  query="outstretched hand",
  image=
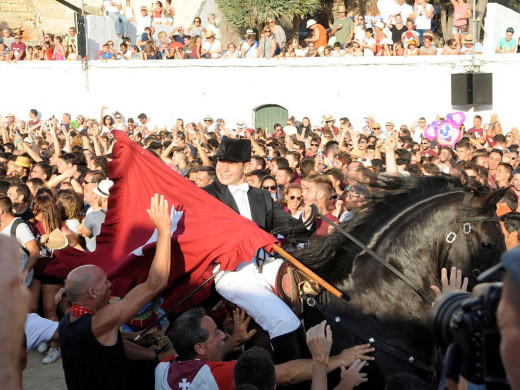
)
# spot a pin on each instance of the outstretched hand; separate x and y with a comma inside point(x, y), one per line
point(352, 377)
point(240, 334)
point(349, 356)
point(159, 212)
point(319, 341)
point(452, 283)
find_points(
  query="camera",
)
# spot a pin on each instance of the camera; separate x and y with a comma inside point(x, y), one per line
point(465, 326)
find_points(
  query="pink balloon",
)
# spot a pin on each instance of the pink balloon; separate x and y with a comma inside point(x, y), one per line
point(449, 134)
point(432, 130)
point(457, 117)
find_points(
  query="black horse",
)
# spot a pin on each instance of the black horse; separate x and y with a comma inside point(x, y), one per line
point(420, 225)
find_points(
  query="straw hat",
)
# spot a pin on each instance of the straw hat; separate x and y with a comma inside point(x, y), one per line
point(23, 161)
point(57, 240)
point(209, 34)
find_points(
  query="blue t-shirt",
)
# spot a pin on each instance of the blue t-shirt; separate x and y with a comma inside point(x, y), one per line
point(107, 56)
point(507, 46)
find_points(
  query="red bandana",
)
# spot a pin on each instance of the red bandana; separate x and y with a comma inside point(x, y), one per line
point(78, 311)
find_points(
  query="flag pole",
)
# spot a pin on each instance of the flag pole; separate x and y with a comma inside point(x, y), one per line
point(298, 264)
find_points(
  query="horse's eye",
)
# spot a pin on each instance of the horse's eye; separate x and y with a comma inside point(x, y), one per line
point(486, 245)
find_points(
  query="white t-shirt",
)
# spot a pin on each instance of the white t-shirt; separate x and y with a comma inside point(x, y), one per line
point(211, 47)
point(370, 42)
point(23, 236)
point(421, 21)
point(404, 10)
point(290, 130)
point(142, 23)
point(111, 8)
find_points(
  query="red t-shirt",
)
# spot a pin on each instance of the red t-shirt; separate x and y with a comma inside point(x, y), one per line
point(18, 50)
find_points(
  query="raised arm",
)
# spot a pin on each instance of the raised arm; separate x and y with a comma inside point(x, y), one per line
point(111, 317)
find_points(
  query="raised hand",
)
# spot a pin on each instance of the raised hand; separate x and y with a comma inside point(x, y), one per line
point(159, 212)
point(452, 283)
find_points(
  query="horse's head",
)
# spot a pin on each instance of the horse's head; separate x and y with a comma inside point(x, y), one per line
point(480, 238)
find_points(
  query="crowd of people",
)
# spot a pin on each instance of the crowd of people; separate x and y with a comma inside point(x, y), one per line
point(393, 29)
point(54, 192)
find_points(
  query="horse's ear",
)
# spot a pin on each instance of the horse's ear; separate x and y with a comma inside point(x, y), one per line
point(491, 198)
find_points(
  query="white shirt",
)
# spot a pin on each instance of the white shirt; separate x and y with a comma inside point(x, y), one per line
point(111, 8)
point(23, 235)
point(404, 10)
point(421, 21)
point(239, 193)
point(142, 23)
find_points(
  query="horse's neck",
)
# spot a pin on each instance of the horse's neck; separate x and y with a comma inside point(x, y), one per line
point(414, 251)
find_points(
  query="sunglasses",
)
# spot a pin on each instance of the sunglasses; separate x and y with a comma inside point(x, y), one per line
point(272, 188)
point(315, 144)
point(118, 117)
point(334, 197)
point(298, 198)
point(376, 128)
point(354, 194)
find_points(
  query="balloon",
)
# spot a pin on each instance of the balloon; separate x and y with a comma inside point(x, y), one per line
point(449, 134)
point(456, 117)
point(432, 130)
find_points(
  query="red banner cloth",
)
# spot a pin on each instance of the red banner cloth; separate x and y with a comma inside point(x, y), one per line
point(207, 231)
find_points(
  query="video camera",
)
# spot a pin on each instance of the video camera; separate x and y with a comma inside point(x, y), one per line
point(465, 326)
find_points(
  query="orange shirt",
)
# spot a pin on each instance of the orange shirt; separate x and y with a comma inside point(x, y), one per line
point(322, 39)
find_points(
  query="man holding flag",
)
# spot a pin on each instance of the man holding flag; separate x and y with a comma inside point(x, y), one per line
point(251, 287)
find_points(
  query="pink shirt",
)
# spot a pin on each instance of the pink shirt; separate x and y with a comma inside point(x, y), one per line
point(461, 9)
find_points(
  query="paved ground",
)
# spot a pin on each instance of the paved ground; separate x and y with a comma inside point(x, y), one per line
point(39, 376)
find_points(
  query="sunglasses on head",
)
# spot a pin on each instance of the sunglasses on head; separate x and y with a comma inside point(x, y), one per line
point(272, 188)
point(298, 198)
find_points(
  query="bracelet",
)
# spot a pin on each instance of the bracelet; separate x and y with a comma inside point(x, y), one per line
point(321, 361)
point(156, 356)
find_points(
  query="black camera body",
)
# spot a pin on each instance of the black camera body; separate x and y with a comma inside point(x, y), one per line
point(465, 326)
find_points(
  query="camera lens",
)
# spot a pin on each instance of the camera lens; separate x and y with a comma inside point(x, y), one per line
point(440, 315)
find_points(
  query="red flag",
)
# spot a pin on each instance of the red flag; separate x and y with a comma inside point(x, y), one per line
point(205, 229)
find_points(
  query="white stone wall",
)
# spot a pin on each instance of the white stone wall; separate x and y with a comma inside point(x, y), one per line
point(498, 19)
point(395, 88)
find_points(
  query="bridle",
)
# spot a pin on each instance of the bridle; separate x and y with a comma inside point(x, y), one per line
point(465, 221)
point(350, 326)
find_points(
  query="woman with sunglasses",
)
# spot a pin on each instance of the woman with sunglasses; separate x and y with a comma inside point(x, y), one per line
point(267, 46)
point(269, 183)
point(196, 28)
point(292, 200)
point(157, 13)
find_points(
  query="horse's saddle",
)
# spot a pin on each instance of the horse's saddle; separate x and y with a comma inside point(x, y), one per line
point(291, 283)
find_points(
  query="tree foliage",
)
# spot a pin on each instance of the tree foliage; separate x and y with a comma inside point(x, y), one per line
point(254, 13)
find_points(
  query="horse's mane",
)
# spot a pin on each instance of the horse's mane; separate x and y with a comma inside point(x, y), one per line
point(390, 197)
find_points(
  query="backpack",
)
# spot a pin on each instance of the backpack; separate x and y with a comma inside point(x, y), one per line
point(14, 226)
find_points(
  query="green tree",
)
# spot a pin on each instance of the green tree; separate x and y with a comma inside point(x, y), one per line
point(244, 14)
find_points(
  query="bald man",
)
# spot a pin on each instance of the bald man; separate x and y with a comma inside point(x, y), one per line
point(92, 348)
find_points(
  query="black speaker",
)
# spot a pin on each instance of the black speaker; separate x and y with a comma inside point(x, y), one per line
point(81, 36)
point(471, 88)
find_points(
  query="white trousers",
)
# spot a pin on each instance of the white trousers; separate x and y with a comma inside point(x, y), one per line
point(253, 292)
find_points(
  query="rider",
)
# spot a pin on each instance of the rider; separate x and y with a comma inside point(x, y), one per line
point(251, 287)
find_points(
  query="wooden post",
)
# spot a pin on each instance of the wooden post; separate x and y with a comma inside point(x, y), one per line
point(327, 286)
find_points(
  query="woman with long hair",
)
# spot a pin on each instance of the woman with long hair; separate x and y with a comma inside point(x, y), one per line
point(48, 219)
point(461, 15)
point(293, 200)
point(194, 46)
point(268, 183)
point(157, 12)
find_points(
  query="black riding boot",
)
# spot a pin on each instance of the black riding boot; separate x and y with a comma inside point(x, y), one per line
point(290, 346)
